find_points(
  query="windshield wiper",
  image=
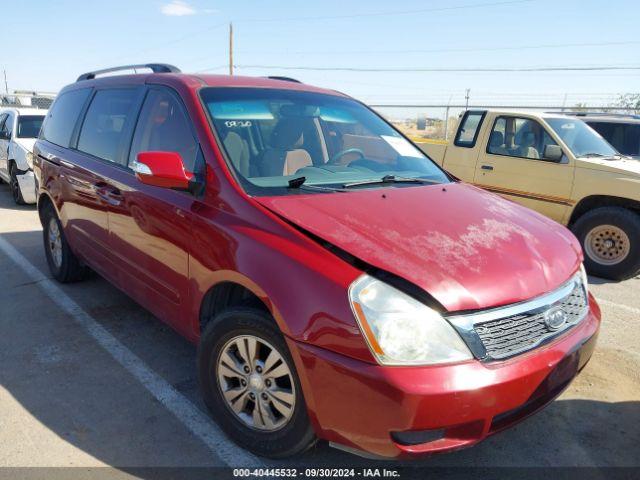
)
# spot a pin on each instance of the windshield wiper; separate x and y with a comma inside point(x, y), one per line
point(387, 179)
point(298, 182)
point(600, 155)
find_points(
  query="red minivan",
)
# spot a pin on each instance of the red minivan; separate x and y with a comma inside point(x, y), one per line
point(338, 283)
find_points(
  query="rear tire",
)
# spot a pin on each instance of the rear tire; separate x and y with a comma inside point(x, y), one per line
point(63, 264)
point(291, 433)
point(610, 239)
point(14, 185)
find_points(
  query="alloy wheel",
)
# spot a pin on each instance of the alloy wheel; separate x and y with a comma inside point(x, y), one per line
point(55, 242)
point(256, 383)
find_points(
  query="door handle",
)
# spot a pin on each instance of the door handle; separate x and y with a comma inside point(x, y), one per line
point(486, 167)
point(109, 194)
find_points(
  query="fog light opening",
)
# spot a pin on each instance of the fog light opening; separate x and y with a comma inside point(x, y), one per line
point(418, 437)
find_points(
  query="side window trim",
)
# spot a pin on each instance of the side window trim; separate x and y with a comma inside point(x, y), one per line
point(472, 144)
point(69, 144)
point(9, 123)
point(127, 135)
point(176, 96)
point(75, 133)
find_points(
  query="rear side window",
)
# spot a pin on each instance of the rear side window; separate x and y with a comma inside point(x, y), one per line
point(469, 129)
point(62, 117)
point(164, 127)
point(103, 129)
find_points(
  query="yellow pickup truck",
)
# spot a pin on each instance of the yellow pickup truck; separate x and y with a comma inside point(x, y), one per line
point(560, 167)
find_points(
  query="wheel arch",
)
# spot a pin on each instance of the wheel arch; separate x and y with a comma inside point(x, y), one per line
point(232, 289)
point(44, 200)
point(595, 201)
point(18, 162)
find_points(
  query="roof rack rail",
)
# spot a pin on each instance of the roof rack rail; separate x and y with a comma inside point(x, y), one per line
point(284, 79)
point(155, 68)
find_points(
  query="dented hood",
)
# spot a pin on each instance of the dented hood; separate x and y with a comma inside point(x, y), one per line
point(468, 248)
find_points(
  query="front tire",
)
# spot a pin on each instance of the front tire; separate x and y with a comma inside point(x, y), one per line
point(250, 386)
point(610, 239)
point(63, 264)
point(16, 193)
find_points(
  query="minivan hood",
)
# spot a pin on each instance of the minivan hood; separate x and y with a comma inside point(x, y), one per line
point(467, 248)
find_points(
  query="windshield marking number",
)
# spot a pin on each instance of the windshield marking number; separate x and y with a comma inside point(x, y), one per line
point(238, 123)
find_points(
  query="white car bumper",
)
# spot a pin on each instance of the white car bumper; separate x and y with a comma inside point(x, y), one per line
point(27, 184)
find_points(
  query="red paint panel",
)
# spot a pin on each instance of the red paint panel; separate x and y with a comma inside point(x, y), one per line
point(359, 405)
point(468, 248)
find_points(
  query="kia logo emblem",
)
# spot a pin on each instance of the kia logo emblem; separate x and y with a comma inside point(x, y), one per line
point(555, 318)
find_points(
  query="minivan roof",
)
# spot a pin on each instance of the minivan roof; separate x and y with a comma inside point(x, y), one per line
point(195, 80)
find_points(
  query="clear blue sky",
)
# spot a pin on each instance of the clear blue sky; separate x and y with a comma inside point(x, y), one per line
point(47, 44)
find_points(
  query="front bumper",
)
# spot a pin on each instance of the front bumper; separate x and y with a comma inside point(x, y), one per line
point(373, 409)
point(27, 184)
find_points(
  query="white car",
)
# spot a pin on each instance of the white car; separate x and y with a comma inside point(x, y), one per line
point(19, 128)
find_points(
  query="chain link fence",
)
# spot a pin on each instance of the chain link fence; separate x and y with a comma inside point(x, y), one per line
point(25, 99)
point(438, 122)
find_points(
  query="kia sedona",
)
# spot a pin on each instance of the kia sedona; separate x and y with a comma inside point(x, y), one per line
point(339, 284)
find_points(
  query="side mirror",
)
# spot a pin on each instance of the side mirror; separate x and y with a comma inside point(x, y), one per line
point(4, 135)
point(162, 169)
point(553, 153)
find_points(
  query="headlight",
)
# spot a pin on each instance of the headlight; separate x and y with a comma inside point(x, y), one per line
point(30, 160)
point(401, 330)
point(585, 280)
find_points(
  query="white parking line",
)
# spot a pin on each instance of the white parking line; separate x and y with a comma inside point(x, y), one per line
point(621, 306)
point(198, 423)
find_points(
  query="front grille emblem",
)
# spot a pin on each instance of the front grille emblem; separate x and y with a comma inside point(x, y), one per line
point(555, 318)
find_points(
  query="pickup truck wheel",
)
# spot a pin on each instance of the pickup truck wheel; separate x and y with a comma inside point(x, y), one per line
point(14, 185)
point(63, 264)
point(610, 238)
point(249, 384)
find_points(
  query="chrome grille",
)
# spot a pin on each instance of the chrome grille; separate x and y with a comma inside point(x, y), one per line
point(503, 332)
point(507, 336)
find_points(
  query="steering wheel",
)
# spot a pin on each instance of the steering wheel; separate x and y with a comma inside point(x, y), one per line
point(342, 153)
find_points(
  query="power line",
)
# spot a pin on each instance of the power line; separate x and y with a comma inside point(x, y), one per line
point(390, 13)
point(451, 50)
point(585, 68)
point(177, 39)
point(332, 17)
point(212, 69)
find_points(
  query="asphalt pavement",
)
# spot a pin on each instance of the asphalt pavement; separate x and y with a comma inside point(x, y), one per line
point(88, 379)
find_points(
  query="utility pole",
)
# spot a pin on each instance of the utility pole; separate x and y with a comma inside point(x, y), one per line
point(446, 120)
point(6, 86)
point(230, 48)
point(466, 97)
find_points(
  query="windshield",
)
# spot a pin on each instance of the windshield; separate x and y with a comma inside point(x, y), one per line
point(272, 137)
point(29, 125)
point(581, 139)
